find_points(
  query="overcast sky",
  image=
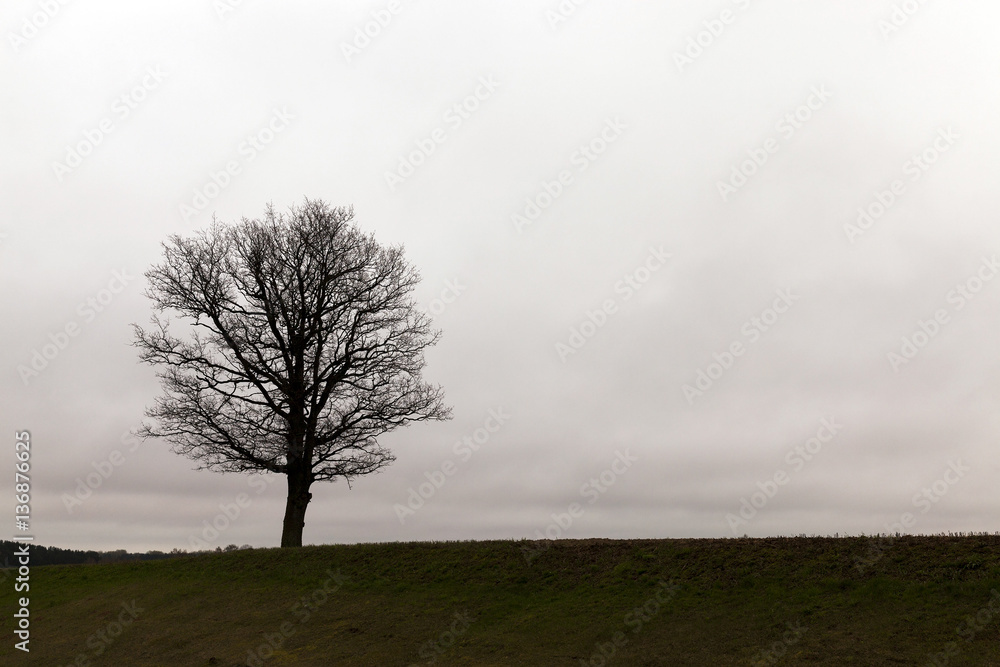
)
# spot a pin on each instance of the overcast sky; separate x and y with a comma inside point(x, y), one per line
point(680, 253)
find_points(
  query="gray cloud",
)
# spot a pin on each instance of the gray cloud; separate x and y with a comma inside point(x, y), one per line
point(656, 185)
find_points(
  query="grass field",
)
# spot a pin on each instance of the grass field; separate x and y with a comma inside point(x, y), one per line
point(782, 601)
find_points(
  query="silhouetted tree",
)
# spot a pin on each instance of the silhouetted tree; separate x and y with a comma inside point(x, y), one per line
point(303, 346)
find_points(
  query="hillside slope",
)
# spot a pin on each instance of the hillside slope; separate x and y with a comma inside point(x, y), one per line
point(789, 601)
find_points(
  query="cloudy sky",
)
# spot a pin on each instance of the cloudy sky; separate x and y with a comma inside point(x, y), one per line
point(702, 269)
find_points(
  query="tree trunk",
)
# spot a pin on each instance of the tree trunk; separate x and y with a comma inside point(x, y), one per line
point(295, 511)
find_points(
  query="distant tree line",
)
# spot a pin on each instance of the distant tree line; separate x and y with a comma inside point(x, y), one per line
point(55, 556)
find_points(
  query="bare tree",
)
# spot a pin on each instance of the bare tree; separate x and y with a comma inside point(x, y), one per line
point(303, 346)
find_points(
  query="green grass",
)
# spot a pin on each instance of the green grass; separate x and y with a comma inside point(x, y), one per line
point(730, 600)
